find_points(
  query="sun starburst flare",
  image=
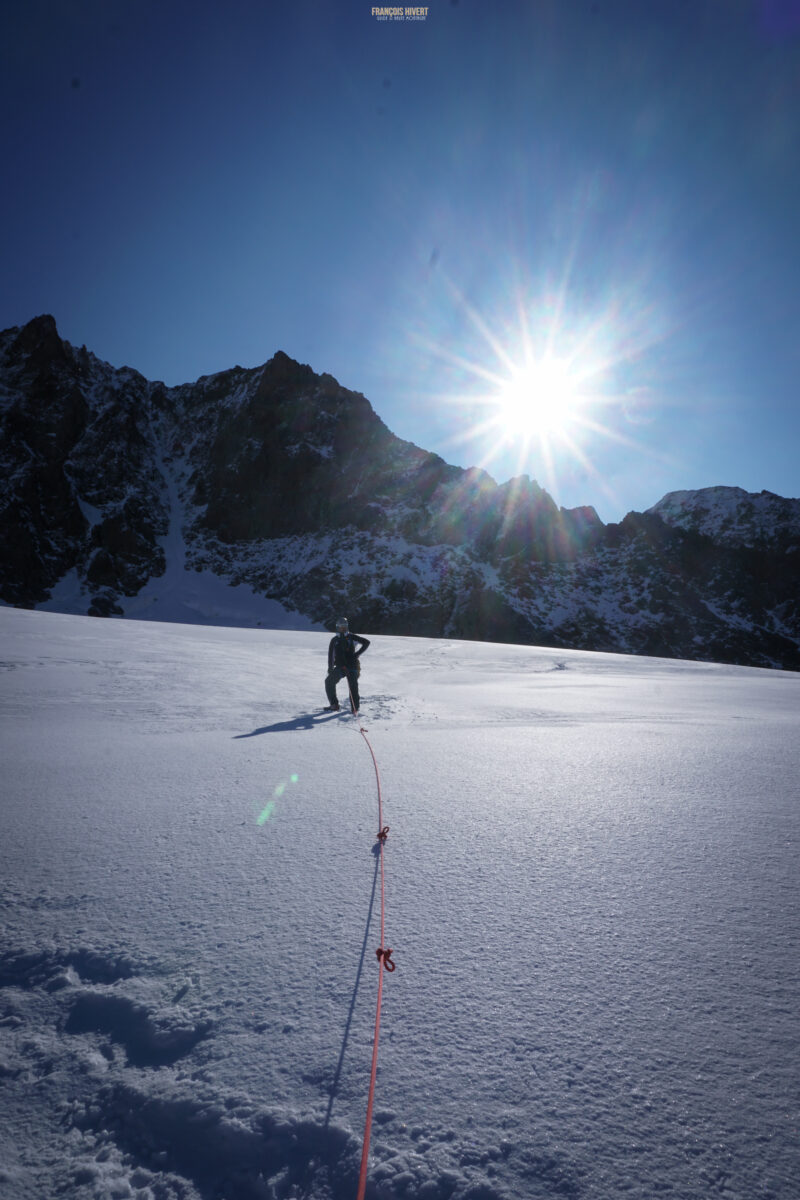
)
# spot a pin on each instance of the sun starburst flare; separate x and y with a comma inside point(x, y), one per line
point(548, 392)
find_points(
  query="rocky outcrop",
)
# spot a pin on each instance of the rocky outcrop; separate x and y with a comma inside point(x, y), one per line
point(732, 517)
point(284, 480)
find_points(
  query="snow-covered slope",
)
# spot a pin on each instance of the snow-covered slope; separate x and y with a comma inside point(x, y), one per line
point(591, 899)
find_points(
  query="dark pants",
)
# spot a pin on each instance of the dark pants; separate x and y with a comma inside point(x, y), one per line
point(335, 676)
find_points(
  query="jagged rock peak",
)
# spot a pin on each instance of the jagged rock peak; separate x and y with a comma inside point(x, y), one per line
point(38, 327)
point(39, 336)
point(586, 514)
point(281, 371)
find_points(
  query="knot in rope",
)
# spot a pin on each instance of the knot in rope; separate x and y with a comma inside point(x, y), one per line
point(383, 834)
point(385, 956)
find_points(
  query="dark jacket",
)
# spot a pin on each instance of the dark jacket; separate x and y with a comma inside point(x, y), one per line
point(342, 652)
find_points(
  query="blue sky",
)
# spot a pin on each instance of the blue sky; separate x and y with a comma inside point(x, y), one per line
point(419, 208)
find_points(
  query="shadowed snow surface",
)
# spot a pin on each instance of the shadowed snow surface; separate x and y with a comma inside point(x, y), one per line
point(591, 900)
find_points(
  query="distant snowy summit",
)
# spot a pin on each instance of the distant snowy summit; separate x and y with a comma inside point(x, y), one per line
point(275, 496)
point(730, 516)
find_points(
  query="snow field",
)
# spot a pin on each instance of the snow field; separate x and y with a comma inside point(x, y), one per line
point(591, 899)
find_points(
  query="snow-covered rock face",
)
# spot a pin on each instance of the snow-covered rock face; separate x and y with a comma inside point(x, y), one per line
point(730, 516)
point(275, 496)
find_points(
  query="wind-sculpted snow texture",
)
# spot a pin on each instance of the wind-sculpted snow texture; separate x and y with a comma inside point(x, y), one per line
point(275, 496)
point(591, 899)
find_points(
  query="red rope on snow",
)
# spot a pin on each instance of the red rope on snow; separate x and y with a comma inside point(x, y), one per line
point(384, 962)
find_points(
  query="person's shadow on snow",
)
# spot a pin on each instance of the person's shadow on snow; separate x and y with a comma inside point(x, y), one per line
point(307, 721)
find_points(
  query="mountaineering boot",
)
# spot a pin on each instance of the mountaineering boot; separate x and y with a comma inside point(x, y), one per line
point(331, 708)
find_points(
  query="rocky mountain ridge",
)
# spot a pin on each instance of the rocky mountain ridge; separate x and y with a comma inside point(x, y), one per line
point(281, 481)
point(731, 516)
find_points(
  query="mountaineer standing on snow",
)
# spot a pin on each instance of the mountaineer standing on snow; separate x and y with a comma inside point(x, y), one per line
point(343, 662)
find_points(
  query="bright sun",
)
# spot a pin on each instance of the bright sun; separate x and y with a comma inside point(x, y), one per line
point(537, 401)
point(537, 389)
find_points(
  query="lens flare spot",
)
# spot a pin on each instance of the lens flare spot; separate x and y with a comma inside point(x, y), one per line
point(265, 813)
point(278, 792)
